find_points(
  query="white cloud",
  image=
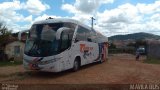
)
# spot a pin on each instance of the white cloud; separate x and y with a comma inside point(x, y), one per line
point(84, 9)
point(28, 19)
point(69, 8)
point(90, 6)
point(8, 11)
point(155, 17)
point(15, 5)
point(149, 8)
point(35, 6)
point(45, 16)
point(125, 18)
point(85, 6)
point(124, 14)
point(12, 19)
point(128, 18)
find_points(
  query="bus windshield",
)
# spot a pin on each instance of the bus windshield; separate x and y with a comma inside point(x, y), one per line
point(41, 48)
point(42, 41)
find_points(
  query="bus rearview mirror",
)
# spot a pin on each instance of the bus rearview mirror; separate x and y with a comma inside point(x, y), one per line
point(60, 30)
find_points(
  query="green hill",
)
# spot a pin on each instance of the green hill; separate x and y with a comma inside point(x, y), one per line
point(135, 36)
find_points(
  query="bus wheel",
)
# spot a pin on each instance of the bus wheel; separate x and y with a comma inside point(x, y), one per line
point(76, 65)
point(100, 62)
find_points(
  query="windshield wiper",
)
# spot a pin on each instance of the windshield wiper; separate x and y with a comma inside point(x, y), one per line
point(35, 48)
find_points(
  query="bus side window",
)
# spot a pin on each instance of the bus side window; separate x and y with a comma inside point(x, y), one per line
point(89, 39)
point(82, 34)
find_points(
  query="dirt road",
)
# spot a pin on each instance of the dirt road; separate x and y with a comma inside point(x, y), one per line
point(119, 69)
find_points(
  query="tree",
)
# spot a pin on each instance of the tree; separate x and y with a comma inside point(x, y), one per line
point(3, 29)
point(4, 34)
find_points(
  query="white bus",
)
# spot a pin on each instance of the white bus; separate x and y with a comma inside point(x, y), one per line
point(55, 45)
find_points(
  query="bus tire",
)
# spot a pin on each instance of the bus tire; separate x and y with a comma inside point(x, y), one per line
point(100, 62)
point(76, 65)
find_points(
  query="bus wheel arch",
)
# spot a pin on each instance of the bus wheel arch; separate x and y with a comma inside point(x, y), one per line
point(77, 63)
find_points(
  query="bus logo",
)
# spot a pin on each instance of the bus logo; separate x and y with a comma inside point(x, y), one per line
point(84, 48)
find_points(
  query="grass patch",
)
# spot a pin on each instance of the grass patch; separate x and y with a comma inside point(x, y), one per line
point(10, 63)
point(152, 61)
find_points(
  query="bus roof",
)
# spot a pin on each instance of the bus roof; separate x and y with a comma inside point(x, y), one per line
point(58, 20)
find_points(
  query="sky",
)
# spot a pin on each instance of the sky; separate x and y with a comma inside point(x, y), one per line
point(112, 17)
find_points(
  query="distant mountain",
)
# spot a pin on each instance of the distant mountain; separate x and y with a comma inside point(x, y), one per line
point(135, 36)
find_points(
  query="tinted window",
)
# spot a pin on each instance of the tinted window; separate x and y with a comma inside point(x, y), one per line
point(64, 42)
point(83, 34)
